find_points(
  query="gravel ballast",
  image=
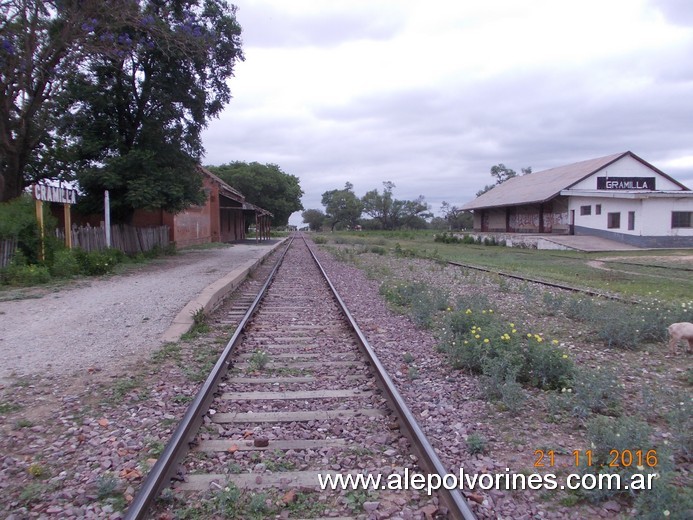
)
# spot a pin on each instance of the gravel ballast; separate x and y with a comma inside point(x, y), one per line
point(64, 438)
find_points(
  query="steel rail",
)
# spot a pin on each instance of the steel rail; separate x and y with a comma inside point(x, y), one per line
point(654, 266)
point(429, 460)
point(167, 464)
point(590, 292)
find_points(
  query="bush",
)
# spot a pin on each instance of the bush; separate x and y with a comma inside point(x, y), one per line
point(402, 294)
point(680, 419)
point(447, 238)
point(665, 500)
point(595, 392)
point(545, 366)
point(617, 328)
point(18, 219)
point(654, 318)
point(502, 353)
point(96, 262)
point(607, 435)
point(499, 382)
point(461, 338)
point(25, 275)
point(418, 299)
point(404, 253)
point(619, 325)
point(579, 309)
point(471, 311)
point(477, 444)
point(552, 303)
point(65, 264)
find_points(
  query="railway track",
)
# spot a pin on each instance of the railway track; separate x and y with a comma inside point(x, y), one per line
point(546, 283)
point(298, 395)
point(571, 288)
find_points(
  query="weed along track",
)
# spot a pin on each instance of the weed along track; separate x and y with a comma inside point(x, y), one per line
point(297, 401)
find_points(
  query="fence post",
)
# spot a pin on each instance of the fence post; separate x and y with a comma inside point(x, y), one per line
point(107, 217)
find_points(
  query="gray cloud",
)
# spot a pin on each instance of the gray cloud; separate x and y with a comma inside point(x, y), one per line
point(325, 28)
point(440, 141)
point(678, 12)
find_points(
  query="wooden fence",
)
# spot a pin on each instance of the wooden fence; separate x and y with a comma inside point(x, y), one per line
point(7, 248)
point(129, 239)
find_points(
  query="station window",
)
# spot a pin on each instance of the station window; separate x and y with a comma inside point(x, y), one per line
point(613, 220)
point(681, 219)
point(597, 209)
point(631, 220)
point(585, 210)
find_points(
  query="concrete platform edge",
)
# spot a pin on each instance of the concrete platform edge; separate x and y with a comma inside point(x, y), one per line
point(211, 297)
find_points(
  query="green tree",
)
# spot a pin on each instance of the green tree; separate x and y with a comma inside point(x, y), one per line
point(380, 206)
point(135, 113)
point(501, 174)
point(314, 218)
point(342, 206)
point(456, 218)
point(411, 214)
point(264, 185)
point(391, 213)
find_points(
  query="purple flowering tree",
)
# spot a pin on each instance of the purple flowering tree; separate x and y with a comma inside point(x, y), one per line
point(113, 93)
point(40, 44)
point(135, 117)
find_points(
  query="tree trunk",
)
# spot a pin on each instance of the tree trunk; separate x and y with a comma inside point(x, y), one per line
point(11, 185)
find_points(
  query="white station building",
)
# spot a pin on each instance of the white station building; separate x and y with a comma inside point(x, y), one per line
point(620, 197)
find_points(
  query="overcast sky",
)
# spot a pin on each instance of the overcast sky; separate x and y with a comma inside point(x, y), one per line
point(431, 94)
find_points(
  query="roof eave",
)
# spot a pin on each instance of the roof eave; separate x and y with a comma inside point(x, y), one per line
point(509, 204)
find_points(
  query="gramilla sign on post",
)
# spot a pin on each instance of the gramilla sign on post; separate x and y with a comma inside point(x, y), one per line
point(64, 196)
point(55, 194)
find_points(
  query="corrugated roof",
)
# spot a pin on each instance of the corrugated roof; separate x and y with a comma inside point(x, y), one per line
point(233, 193)
point(252, 207)
point(541, 186)
point(230, 191)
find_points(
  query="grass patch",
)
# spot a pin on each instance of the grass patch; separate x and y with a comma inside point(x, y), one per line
point(170, 351)
point(233, 503)
point(124, 386)
point(477, 444)
point(203, 360)
point(7, 407)
point(645, 280)
point(199, 327)
point(258, 361)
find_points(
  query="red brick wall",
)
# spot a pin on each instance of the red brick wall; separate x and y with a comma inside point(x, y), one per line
point(192, 226)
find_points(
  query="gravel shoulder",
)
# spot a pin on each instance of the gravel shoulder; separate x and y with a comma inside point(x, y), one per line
point(109, 322)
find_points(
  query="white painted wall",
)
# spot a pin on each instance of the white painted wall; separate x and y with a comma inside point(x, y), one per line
point(626, 167)
point(608, 206)
point(657, 216)
point(652, 215)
